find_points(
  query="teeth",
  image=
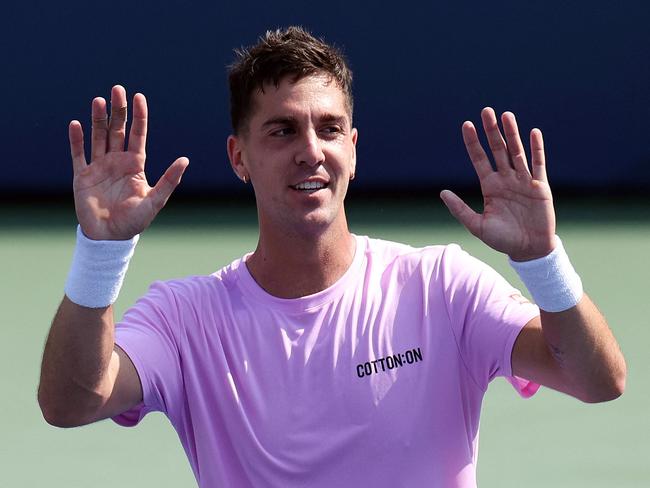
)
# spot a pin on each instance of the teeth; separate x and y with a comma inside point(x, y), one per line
point(309, 185)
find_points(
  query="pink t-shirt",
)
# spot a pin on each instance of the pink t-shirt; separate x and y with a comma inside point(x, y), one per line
point(376, 381)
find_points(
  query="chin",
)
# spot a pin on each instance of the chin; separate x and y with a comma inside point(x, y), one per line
point(315, 223)
point(311, 222)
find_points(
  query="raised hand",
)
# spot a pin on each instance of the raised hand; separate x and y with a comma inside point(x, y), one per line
point(518, 217)
point(113, 200)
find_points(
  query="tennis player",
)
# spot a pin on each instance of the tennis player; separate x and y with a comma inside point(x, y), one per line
point(321, 358)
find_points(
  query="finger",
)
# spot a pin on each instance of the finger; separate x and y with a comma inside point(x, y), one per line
point(117, 123)
point(99, 129)
point(495, 140)
point(138, 134)
point(76, 136)
point(167, 183)
point(515, 147)
point(475, 150)
point(462, 212)
point(538, 156)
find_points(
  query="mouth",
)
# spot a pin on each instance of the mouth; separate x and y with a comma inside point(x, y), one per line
point(309, 186)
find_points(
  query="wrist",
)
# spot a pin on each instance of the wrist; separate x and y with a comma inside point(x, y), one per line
point(551, 280)
point(541, 252)
point(98, 269)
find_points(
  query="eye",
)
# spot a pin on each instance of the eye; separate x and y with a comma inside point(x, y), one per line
point(332, 129)
point(283, 132)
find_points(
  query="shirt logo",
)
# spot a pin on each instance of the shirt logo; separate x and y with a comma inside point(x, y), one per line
point(519, 298)
point(393, 361)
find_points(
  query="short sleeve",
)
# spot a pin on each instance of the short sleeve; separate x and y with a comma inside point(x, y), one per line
point(486, 315)
point(149, 334)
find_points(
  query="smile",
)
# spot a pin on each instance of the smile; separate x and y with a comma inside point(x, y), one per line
point(309, 186)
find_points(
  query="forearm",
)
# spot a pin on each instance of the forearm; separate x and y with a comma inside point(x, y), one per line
point(76, 363)
point(586, 352)
point(569, 347)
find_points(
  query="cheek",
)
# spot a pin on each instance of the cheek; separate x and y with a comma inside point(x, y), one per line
point(346, 167)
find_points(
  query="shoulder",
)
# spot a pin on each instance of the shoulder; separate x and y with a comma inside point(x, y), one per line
point(196, 288)
point(389, 253)
point(444, 265)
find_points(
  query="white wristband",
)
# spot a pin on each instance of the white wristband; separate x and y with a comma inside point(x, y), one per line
point(551, 280)
point(97, 270)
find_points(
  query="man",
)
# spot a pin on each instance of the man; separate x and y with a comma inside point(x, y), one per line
point(322, 358)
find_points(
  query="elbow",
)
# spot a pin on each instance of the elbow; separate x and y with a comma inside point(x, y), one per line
point(609, 388)
point(55, 419)
point(58, 413)
point(61, 418)
point(53, 414)
point(619, 383)
point(604, 394)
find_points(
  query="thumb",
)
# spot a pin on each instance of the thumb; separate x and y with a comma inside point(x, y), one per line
point(461, 211)
point(160, 193)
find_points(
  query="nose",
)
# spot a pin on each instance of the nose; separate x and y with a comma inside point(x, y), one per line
point(310, 151)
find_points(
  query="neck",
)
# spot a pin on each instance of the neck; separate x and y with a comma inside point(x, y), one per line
point(290, 265)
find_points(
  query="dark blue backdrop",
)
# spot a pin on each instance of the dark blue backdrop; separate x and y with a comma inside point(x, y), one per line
point(579, 71)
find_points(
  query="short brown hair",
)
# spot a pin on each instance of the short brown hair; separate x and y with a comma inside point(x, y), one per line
point(280, 53)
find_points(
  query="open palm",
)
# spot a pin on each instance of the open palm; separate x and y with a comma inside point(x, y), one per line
point(518, 218)
point(112, 197)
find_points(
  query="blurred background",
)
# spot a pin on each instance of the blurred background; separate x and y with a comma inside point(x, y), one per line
point(579, 71)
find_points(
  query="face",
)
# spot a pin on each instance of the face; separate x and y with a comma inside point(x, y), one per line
point(299, 153)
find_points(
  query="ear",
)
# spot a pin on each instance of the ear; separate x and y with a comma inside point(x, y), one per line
point(353, 161)
point(234, 147)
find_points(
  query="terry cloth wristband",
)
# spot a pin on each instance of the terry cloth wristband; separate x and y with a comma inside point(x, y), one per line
point(97, 271)
point(551, 280)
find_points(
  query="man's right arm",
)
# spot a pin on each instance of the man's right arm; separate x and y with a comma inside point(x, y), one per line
point(85, 377)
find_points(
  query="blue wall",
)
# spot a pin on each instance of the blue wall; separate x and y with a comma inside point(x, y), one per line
point(580, 73)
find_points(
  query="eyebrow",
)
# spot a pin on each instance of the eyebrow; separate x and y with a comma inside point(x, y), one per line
point(279, 121)
point(325, 118)
point(338, 119)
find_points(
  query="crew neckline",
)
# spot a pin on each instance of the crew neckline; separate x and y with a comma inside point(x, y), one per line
point(301, 304)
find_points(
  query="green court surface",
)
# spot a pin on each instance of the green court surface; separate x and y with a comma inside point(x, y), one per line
point(549, 440)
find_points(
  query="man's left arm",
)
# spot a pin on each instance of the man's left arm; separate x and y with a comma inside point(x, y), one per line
point(573, 351)
point(569, 347)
